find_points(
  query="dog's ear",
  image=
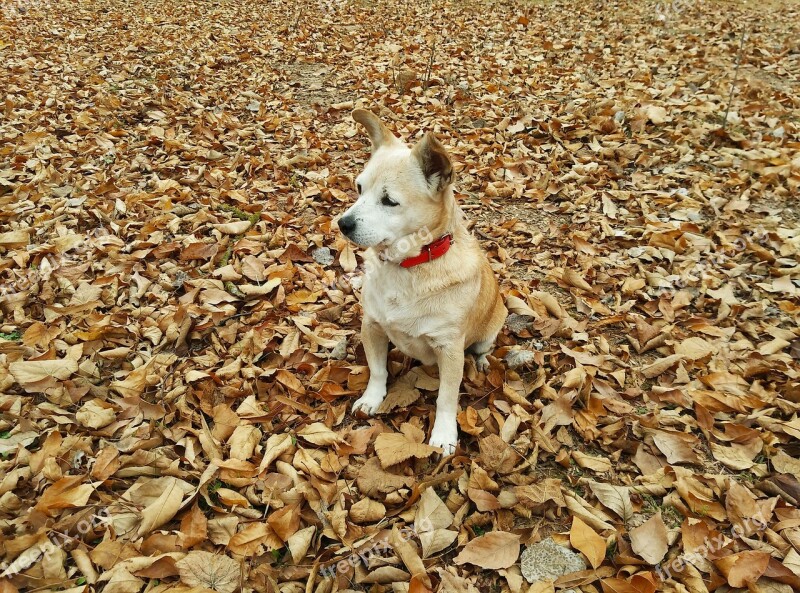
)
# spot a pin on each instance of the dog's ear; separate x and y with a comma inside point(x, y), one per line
point(434, 161)
point(379, 134)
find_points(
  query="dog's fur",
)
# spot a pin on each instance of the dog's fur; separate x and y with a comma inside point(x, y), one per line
point(432, 311)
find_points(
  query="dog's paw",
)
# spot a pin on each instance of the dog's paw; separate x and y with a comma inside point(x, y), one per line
point(367, 404)
point(445, 436)
point(482, 363)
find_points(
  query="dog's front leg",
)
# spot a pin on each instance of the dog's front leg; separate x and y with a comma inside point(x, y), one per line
point(451, 371)
point(376, 347)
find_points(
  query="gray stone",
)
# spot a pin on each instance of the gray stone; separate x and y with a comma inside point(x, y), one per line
point(339, 351)
point(546, 561)
point(517, 323)
point(517, 358)
point(323, 256)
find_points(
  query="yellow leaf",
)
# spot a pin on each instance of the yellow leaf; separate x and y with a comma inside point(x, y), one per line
point(33, 371)
point(212, 571)
point(585, 539)
point(392, 448)
point(649, 540)
point(493, 551)
point(347, 259)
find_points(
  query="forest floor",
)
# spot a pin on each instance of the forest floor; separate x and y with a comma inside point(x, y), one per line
point(179, 316)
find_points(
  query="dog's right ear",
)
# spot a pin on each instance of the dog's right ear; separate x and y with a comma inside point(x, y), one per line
point(378, 133)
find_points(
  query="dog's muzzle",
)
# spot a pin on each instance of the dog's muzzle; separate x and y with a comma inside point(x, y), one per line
point(347, 224)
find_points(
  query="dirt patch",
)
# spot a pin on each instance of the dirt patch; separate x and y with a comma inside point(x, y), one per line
point(531, 215)
point(313, 83)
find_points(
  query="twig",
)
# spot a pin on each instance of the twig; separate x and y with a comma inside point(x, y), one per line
point(735, 76)
point(430, 66)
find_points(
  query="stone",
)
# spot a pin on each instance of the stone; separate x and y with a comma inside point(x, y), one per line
point(323, 256)
point(518, 323)
point(547, 561)
point(519, 357)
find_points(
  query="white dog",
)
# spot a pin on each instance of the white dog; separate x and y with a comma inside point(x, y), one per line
point(428, 287)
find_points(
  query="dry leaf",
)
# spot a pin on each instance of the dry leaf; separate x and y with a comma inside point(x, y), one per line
point(649, 540)
point(585, 539)
point(495, 550)
point(393, 448)
point(409, 556)
point(616, 498)
point(212, 571)
point(367, 510)
point(177, 303)
point(27, 374)
point(744, 567)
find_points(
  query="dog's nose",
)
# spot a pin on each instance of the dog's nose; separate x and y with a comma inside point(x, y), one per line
point(347, 224)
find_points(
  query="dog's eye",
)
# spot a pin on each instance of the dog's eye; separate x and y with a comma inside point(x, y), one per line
point(387, 201)
point(358, 187)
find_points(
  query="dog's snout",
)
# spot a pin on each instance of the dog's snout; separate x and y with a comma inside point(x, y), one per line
point(347, 224)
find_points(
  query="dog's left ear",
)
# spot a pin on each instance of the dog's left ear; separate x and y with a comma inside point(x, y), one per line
point(434, 161)
point(379, 134)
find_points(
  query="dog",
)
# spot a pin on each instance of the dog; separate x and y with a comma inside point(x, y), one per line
point(428, 287)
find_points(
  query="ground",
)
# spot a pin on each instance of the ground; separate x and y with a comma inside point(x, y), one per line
point(180, 317)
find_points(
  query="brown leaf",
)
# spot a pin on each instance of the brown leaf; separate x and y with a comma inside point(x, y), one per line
point(68, 492)
point(367, 510)
point(744, 567)
point(212, 571)
point(538, 493)
point(497, 455)
point(572, 278)
point(495, 550)
point(194, 527)
point(401, 393)
point(484, 501)
point(649, 540)
point(676, 446)
point(373, 480)
point(162, 498)
point(250, 540)
point(106, 464)
point(596, 464)
point(747, 514)
point(409, 556)
point(29, 374)
point(432, 513)
point(199, 251)
point(393, 448)
point(617, 585)
point(286, 521)
point(694, 348)
point(616, 498)
point(585, 539)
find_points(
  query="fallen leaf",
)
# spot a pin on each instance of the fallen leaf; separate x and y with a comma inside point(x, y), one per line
point(212, 571)
point(393, 448)
point(584, 539)
point(744, 567)
point(649, 540)
point(495, 550)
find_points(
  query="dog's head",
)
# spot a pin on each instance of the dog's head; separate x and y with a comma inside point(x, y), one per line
point(401, 192)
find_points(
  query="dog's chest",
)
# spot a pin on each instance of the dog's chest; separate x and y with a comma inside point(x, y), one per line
point(414, 323)
point(396, 309)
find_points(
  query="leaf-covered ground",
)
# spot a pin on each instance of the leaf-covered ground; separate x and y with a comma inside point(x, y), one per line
point(180, 317)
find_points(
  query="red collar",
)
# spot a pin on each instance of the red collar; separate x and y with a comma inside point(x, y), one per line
point(430, 252)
